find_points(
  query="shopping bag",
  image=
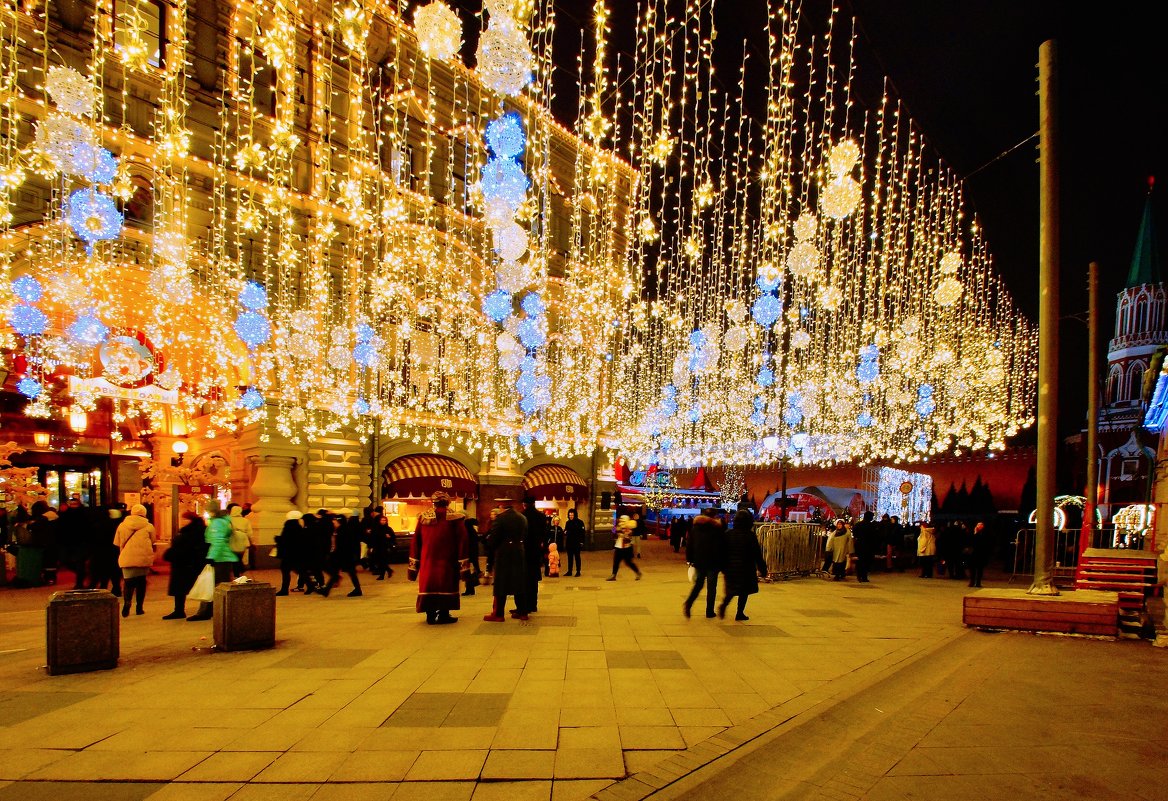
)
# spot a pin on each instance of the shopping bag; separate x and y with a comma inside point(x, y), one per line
point(692, 573)
point(204, 589)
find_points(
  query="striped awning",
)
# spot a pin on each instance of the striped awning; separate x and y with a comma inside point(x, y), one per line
point(421, 475)
point(554, 481)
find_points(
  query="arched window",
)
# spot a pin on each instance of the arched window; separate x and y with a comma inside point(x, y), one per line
point(1113, 384)
point(1141, 323)
point(1122, 327)
point(1135, 381)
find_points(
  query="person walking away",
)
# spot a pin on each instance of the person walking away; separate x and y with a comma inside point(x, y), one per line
point(318, 545)
point(219, 553)
point(622, 549)
point(979, 553)
point(73, 536)
point(472, 553)
point(706, 551)
point(744, 563)
point(290, 546)
point(675, 534)
point(865, 538)
point(536, 544)
point(187, 554)
point(375, 531)
point(36, 539)
point(135, 541)
point(927, 549)
point(240, 538)
point(828, 558)
point(103, 567)
point(505, 540)
point(438, 557)
point(841, 549)
point(885, 542)
point(638, 534)
point(573, 541)
point(346, 553)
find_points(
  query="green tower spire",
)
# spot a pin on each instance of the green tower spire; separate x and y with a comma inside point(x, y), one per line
point(1145, 263)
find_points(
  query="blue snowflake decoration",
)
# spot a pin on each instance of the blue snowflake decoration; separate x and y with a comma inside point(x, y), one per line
point(765, 377)
point(253, 328)
point(364, 332)
point(251, 399)
point(533, 304)
point(864, 419)
point(27, 289)
point(528, 364)
point(497, 305)
point(253, 296)
point(925, 391)
point(698, 340)
point(525, 385)
point(504, 179)
point(506, 137)
point(361, 406)
point(104, 169)
point(29, 388)
point(766, 310)
point(793, 416)
point(922, 443)
point(93, 216)
point(531, 333)
point(670, 391)
point(88, 330)
point(365, 354)
point(28, 321)
point(525, 439)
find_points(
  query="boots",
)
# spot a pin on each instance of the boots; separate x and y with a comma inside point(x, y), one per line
point(496, 615)
point(180, 612)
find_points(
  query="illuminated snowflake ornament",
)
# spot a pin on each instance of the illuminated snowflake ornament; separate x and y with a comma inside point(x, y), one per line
point(253, 296)
point(93, 216)
point(253, 328)
point(766, 310)
point(506, 137)
point(88, 330)
point(251, 400)
point(29, 388)
point(439, 30)
point(70, 91)
point(497, 305)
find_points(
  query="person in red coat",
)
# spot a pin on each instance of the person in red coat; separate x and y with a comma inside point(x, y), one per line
point(438, 557)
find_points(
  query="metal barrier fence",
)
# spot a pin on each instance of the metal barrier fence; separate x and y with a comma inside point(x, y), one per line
point(1066, 552)
point(791, 549)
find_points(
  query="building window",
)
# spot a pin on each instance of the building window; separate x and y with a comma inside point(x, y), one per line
point(1123, 318)
point(1141, 315)
point(1113, 385)
point(1135, 389)
point(141, 24)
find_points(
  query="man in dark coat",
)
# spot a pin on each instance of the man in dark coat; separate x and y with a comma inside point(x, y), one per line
point(744, 562)
point(346, 553)
point(187, 555)
point(73, 537)
point(706, 551)
point(535, 551)
point(507, 537)
point(865, 539)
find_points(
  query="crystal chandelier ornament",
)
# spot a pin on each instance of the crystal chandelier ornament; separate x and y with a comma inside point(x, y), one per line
point(93, 216)
point(70, 91)
point(505, 61)
point(842, 194)
point(439, 30)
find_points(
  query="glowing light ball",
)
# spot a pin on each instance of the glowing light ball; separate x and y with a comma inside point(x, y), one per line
point(253, 296)
point(803, 260)
point(951, 262)
point(363, 332)
point(253, 328)
point(504, 180)
point(840, 197)
point(843, 157)
point(439, 30)
point(301, 321)
point(506, 137)
point(365, 354)
point(510, 241)
point(88, 330)
point(93, 216)
point(105, 167)
point(497, 305)
point(27, 289)
point(531, 333)
point(29, 388)
point(251, 399)
point(766, 310)
point(948, 292)
point(339, 357)
point(864, 419)
point(28, 321)
point(765, 377)
point(806, 227)
point(736, 338)
point(360, 406)
point(533, 305)
point(505, 60)
point(71, 91)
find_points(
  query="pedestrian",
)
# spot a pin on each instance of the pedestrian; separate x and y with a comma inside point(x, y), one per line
point(36, 539)
point(573, 541)
point(290, 546)
point(535, 543)
point(841, 551)
point(376, 533)
point(622, 549)
point(472, 552)
point(104, 565)
point(346, 553)
point(555, 536)
point(828, 557)
point(505, 539)
point(317, 546)
point(706, 552)
point(240, 537)
point(927, 549)
point(438, 555)
point(744, 564)
point(638, 533)
point(187, 554)
point(865, 540)
point(73, 536)
point(135, 541)
point(219, 553)
point(553, 561)
point(977, 551)
point(675, 532)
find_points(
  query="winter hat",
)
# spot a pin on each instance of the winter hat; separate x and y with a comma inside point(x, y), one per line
point(295, 514)
point(213, 507)
point(138, 509)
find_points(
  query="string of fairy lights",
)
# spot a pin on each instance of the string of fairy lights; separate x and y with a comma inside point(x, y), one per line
point(342, 225)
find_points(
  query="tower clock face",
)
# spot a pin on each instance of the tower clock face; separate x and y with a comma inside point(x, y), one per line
point(906, 487)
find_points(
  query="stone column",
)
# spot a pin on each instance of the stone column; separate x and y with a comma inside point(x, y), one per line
point(273, 489)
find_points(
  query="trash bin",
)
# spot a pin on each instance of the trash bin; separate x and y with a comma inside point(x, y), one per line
point(245, 616)
point(82, 631)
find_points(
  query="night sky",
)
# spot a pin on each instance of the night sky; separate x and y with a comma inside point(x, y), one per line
point(967, 72)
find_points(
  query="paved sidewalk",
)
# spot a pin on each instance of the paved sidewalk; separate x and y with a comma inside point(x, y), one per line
point(608, 690)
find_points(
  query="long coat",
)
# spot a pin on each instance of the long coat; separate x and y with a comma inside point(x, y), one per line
point(187, 555)
point(706, 547)
point(438, 554)
point(218, 536)
point(744, 561)
point(507, 538)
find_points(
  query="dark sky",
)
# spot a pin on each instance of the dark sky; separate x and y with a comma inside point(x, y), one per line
point(967, 72)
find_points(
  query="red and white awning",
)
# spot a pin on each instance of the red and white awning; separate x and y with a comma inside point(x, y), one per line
point(421, 475)
point(554, 481)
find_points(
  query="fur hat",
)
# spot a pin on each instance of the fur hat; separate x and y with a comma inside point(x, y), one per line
point(440, 498)
point(138, 509)
point(295, 514)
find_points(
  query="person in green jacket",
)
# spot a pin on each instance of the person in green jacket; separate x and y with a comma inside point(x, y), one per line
point(219, 553)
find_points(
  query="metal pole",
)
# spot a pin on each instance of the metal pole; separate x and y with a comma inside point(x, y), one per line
point(783, 515)
point(1048, 319)
point(1086, 538)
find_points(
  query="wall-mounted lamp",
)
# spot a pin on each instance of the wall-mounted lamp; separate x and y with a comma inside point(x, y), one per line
point(78, 421)
point(42, 439)
point(180, 447)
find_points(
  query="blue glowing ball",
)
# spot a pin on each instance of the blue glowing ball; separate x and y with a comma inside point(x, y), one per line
point(925, 391)
point(251, 399)
point(869, 353)
point(88, 330)
point(769, 285)
point(867, 372)
point(698, 340)
point(759, 404)
point(27, 288)
point(253, 296)
point(793, 416)
point(525, 439)
point(694, 415)
point(28, 321)
point(105, 167)
point(253, 328)
point(765, 377)
point(766, 310)
point(528, 405)
point(29, 388)
point(758, 419)
point(670, 391)
point(364, 332)
point(926, 406)
point(666, 445)
point(365, 354)
point(864, 419)
point(531, 333)
point(528, 365)
point(506, 137)
point(360, 406)
point(922, 443)
point(526, 383)
point(669, 407)
point(93, 216)
point(497, 305)
point(504, 179)
point(533, 304)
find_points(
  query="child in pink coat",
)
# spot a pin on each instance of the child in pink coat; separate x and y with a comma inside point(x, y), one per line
point(553, 560)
